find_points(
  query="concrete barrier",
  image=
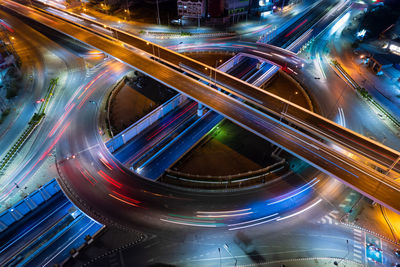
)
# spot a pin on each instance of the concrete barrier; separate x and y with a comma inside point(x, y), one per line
point(227, 65)
point(123, 137)
point(28, 204)
point(241, 180)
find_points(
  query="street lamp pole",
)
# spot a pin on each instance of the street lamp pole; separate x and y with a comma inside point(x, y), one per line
point(219, 251)
point(215, 76)
point(116, 32)
point(226, 247)
point(152, 46)
point(286, 106)
point(158, 15)
point(348, 251)
point(210, 78)
point(95, 103)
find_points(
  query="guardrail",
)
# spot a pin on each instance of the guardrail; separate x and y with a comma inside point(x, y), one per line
point(28, 204)
point(363, 92)
point(33, 123)
point(230, 63)
point(117, 87)
point(240, 180)
point(123, 137)
point(182, 34)
point(88, 240)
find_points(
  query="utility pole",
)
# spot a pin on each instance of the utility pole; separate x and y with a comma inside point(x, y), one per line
point(336, 263)
point(226, 247)
point(158, 14)
point(219, 251)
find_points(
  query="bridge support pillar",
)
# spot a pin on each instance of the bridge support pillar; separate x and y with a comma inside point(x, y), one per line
point(200, 109)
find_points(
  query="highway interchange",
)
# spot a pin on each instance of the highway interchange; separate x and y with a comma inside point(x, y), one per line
point(78, 118)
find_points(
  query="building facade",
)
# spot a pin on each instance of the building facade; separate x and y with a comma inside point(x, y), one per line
point(226, 11)
point(192, 9)
point(237, 9)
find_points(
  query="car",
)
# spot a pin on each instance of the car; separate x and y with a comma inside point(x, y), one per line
point(372, 246)
point(397, 253)
point(176, 22)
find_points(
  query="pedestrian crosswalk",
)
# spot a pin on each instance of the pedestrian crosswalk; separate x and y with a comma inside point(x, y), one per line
point(358, 247)
point(330, 218)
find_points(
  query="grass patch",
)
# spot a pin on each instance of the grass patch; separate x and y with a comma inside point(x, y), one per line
point(4, 115)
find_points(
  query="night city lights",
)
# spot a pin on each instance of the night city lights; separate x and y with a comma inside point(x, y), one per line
point(199, 133)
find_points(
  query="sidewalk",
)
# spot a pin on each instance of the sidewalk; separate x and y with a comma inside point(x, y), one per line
point(383, 223)
point(308, 262)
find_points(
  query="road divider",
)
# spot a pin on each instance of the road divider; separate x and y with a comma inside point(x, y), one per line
point(362, 91)
point(236, 181)
point(32, 124)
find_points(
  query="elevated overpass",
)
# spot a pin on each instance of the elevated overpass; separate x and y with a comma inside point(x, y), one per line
point(356, 175)
point(268, 103)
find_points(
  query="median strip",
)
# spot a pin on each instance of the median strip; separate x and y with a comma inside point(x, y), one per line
point(32, 124)
point(364, 93)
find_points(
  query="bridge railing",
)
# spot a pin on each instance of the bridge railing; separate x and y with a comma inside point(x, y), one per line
point(240, 180)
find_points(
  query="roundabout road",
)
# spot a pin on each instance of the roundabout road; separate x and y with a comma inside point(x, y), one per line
point(114, 195)
point(109, 192)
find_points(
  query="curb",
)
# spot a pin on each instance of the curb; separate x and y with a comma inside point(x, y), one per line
point(350, 225)
point(112, 251)
point(301, 259)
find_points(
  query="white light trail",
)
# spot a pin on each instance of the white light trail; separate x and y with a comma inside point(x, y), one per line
point(299, 212)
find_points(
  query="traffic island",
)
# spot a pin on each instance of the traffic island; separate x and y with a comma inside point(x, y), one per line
point(33, 123)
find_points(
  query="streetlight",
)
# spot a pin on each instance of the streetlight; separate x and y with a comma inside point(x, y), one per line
point(216, 65)
point(226, 247)
point(152, 45)
point(127, 11)
point(158, 15)
point(219, 251)
point(286, 105)
point(210, 74)
point(348, 251)
point(94, 102)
